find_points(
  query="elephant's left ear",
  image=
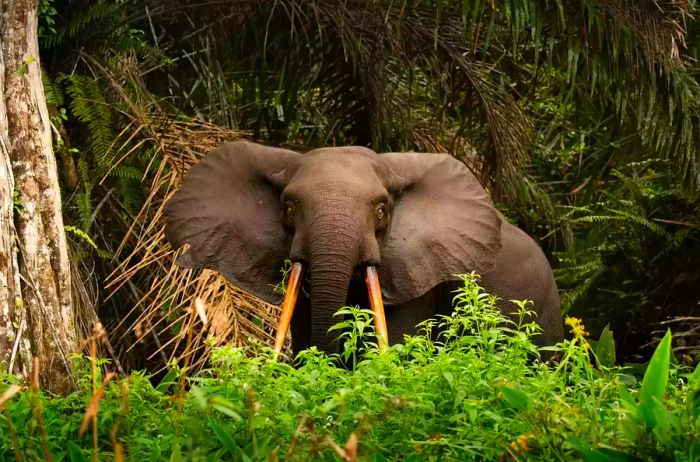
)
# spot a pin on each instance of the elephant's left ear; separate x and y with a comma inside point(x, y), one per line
point(443, 223)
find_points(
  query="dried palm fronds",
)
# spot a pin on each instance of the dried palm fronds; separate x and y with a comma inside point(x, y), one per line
point(167, 291)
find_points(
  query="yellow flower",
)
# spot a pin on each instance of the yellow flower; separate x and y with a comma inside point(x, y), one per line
point(577, 327)
point(520, 443)
point(579, 331)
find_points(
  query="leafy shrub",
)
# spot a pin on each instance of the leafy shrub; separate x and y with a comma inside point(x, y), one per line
point(473, 390)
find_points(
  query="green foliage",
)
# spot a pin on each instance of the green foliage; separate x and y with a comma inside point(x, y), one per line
point(22, 69)
point(82, 104)
point(605, 348)
point(87, 17)
point(17, 205)
point(474, 393)
point(356, 333)
point(89, 106)
point(637, 248)
point(47, 20)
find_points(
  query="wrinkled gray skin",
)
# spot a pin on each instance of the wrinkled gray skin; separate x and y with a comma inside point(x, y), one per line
point(420, 218)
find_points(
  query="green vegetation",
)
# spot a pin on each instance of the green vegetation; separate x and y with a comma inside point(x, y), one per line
point(475, 392)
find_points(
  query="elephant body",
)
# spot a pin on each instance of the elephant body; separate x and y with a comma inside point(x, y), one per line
point(418, 218)
point(522, 272)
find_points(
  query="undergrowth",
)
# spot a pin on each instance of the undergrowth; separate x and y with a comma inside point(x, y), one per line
point(476, 390)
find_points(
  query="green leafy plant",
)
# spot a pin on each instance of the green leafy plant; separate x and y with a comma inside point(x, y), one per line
point(475, 393)
point(17, 205)
point(356, 333)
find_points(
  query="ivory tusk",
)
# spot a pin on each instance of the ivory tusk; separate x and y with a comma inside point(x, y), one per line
point(375, 301)
point(290, 301)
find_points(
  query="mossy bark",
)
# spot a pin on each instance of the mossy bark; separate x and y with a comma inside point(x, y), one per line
point(36, 309)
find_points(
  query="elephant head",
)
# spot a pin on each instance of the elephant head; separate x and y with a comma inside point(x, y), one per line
point(418, 218)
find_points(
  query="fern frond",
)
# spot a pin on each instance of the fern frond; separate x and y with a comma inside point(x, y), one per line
point(83, 16)
point(128, 172)
point(82, 235)
point(88, 105)
point(84, 207)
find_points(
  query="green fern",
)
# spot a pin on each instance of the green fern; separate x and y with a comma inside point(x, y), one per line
point(82, 235)
point(636, 250)
point(17, 204)
point(127, 172)
point(82, 18)
point(84, 207)
point(52, 91)
point(89, 106)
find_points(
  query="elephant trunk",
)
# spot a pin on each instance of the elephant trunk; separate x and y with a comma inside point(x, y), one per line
point(333, 255)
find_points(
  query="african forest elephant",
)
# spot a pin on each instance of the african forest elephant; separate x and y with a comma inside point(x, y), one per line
point(419, 219)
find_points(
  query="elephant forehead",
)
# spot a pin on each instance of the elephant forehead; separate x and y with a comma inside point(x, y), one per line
point(342, 150)
point(347, 157)
point(355, 167)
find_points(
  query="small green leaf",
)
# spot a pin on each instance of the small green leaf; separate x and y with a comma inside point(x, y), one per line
point(656, 375)
point(667, 426)
point(166, 381)
point(695, 376)
point(449, 378)
point(84, 236)
point(199, 397)
point(626, 398)
point(695, 404)
point(176, 455)
point(224, 437)
point(629, 380)
point(226, 408)
point(244, 457)
point(516, 398)
point(75, 454)
point(654, 383)
point(605, 349)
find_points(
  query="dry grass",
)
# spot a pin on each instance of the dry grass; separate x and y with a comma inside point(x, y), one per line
point(146, 260)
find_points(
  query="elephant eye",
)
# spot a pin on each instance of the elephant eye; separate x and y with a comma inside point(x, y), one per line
point(380, 212)
point(289, 211)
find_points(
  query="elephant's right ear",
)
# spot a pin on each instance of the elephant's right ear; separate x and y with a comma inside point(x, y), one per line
point(228, 211)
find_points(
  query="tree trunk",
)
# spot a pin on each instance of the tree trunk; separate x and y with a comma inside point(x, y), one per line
point(36, 311)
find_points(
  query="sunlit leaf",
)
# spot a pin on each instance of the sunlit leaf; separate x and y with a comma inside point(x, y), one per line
point(655, 379)
point(605, 348)
point(516, 398)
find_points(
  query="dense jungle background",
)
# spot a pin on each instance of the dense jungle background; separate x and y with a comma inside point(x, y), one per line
point(582, 118)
